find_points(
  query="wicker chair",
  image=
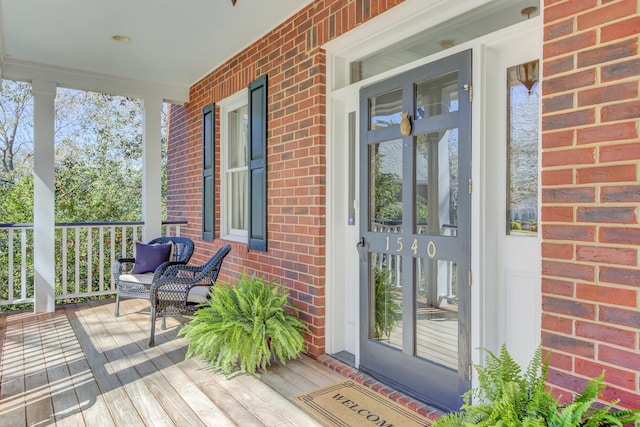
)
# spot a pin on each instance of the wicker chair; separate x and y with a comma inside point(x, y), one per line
point(138, 285)
point(182, 288)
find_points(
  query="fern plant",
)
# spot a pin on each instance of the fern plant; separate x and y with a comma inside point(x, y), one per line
point(245, 326)
point(387, 296)
point(508, 397)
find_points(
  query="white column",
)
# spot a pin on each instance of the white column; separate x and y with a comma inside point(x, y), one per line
point(152, 168)
point(44, 93)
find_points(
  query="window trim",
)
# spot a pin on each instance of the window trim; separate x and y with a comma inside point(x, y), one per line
point(227, 105)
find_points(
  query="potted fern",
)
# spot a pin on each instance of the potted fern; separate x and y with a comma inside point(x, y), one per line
point(510, 398)
point(245, 326)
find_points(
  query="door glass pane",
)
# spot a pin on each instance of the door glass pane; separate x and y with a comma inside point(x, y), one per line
point(437, 311)
point(436, 186)
point(385, 109)
point(522, 149)
point(385, 190)
point(437, 96)
point(385, 284)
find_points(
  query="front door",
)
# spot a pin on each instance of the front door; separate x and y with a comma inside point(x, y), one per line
point(415, 228)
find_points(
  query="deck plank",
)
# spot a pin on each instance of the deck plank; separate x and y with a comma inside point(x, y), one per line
point(82, 366)
point(37, 397)
point(95, 410)
point(120, 406)
point(164, 359)
point(12, 386)
point(66, 408)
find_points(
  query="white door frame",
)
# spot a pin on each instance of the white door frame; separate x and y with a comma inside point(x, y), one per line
point(409, 18)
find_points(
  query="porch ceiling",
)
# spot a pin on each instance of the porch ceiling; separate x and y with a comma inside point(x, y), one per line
point(174, 42)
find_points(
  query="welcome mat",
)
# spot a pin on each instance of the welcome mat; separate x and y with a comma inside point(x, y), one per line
point(349, 404)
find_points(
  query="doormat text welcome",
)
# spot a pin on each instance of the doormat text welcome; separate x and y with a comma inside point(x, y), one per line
point(348, 403)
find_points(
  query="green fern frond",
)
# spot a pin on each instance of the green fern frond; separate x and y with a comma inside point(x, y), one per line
point(245, 327)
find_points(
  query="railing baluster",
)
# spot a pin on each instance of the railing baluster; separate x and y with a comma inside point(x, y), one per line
point(64, 242)
point(11, 260)
point(23, 264)
point(77, 261)
point(101, 259)
point(123, 245)
point(112, 256)
point(89, 259)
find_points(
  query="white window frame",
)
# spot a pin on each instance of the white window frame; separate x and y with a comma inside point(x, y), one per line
point(228, 105)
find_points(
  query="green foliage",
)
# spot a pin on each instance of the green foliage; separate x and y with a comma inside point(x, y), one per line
point(510, 398)
point(387, 296)
point(245, 326)
point(387, 193)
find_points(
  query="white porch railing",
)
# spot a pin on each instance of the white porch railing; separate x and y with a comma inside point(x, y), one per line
point(84, 252)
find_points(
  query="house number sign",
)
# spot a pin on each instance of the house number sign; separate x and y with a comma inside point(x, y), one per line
point(399, 246)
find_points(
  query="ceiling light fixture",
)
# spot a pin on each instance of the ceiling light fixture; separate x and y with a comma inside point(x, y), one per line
point(233, 2)
point(528, 11)
point(121, 38)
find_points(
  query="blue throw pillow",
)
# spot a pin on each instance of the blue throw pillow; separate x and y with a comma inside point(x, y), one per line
point(149, 257)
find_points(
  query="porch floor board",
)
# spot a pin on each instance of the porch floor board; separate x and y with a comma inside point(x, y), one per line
point(82, 366)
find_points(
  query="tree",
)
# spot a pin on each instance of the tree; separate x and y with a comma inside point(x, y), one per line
point(16, 142)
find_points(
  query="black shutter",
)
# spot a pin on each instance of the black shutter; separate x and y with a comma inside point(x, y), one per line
point(208, 172)
point(258, 164)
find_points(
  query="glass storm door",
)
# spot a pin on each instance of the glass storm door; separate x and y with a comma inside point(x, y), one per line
point(415, 248)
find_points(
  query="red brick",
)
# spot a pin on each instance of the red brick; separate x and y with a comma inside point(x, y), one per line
point(620, 70)
point(618, 194)
point(567, 8)
point(626, 28)
point(557, 214)
point(559, 29)
point(558, 65)
point(621, 235)
point(619, 316)
point(617, 153)
point(606, 174)
point(557, 103)
point(558, 139)
point(568, 344)
point(603, 94)
point(606, 133)
point(569, 44)
point(557, 177)
point(580, 156)
point(568, 195)
point(619, 357)
point(568, 270)
point(567, 381)
point(568, 232)
point(577, 80)
point(629, 400)
point(603, 15)
point(561, 361)
point(612, 376)
point(605, 334)
point(627, 110)
point(617, 215)
point(608, 53)
point(557, 250)
point(557, 287)
point(607, 255)
point(606, 295)
point(620, 276)
point(557, 324)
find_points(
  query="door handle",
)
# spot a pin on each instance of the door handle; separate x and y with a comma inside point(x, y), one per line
point(362, 251)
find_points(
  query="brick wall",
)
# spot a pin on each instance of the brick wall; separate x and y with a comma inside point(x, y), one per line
point(296, 66)
point(590, 195)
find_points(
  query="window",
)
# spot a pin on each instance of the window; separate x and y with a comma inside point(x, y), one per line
point(243, 174)
point(234, 154)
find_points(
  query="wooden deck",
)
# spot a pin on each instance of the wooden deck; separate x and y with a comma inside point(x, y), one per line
point(81, 366)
